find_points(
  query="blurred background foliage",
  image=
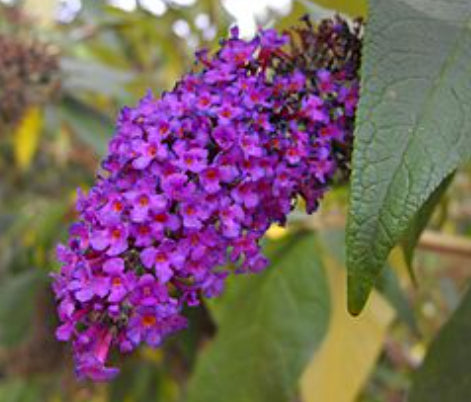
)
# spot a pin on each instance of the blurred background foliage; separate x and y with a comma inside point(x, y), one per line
point(66, 68)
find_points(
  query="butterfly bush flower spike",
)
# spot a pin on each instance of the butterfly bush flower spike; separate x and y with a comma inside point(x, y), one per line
point(194, 178)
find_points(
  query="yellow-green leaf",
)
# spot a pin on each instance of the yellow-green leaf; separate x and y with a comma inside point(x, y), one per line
point(26, 137)
point(350, 348)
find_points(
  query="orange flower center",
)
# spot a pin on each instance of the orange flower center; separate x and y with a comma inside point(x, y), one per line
point(116, 233)
point(118, 206)
point(143, 200)
point(116, 281)
point(161, 257)
point(148, 320)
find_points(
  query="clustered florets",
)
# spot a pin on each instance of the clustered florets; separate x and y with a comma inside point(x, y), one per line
point(192, 182)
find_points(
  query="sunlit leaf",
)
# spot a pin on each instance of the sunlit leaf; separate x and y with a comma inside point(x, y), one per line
point(26, 137)
point(349, 351)
point(43, 11)
point(388, 282)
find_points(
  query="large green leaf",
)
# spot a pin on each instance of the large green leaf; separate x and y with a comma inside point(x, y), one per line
point(269, 325)
point(445, 374)
point(413, 124)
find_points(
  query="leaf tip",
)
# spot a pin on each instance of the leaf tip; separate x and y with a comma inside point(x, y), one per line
point(357, 295)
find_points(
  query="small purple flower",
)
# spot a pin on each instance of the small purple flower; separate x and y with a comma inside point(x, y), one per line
point(246, 194)
point(148, 325)
point(120, 283)
point(114, 239)
point(231, 217)
point(177, 186)
point(85, 284)
point(144, 201)
point(147, 152)
point(162, 259)
point(112, 210)
point(325, 81)
point(227, 112)
point(211, 179)
point(193, 160)
point(92, 363)
point(349, 96)
point(88, 366)
point(149, 291)
point(313, 108)
point(143, 234)
point(160, 221)
point(193, 215)
point(250, 144)
point(224, 136)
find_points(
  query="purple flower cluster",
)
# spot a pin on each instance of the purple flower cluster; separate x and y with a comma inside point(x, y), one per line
point(192, 181)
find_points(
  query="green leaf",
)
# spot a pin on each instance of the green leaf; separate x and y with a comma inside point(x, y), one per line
point(21, 390)
point(420, 220)
point(91, 126)
point(269, 325)
point(80, 75)
point(445, 374)
point(413, 125)
point(17, 302)
point(388, 285)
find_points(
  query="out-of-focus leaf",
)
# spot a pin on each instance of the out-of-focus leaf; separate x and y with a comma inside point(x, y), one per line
point(413, 125)
point(354, 8)
point(387, 283)
point(17, 301)
point(389, 287)
point(420, 220)
point(91, 126)
point(137, 382)
point(20, 390)
point(445, 374)
point(269, 325)
point(95, 77)
point(351, 347)
point(26, 137)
